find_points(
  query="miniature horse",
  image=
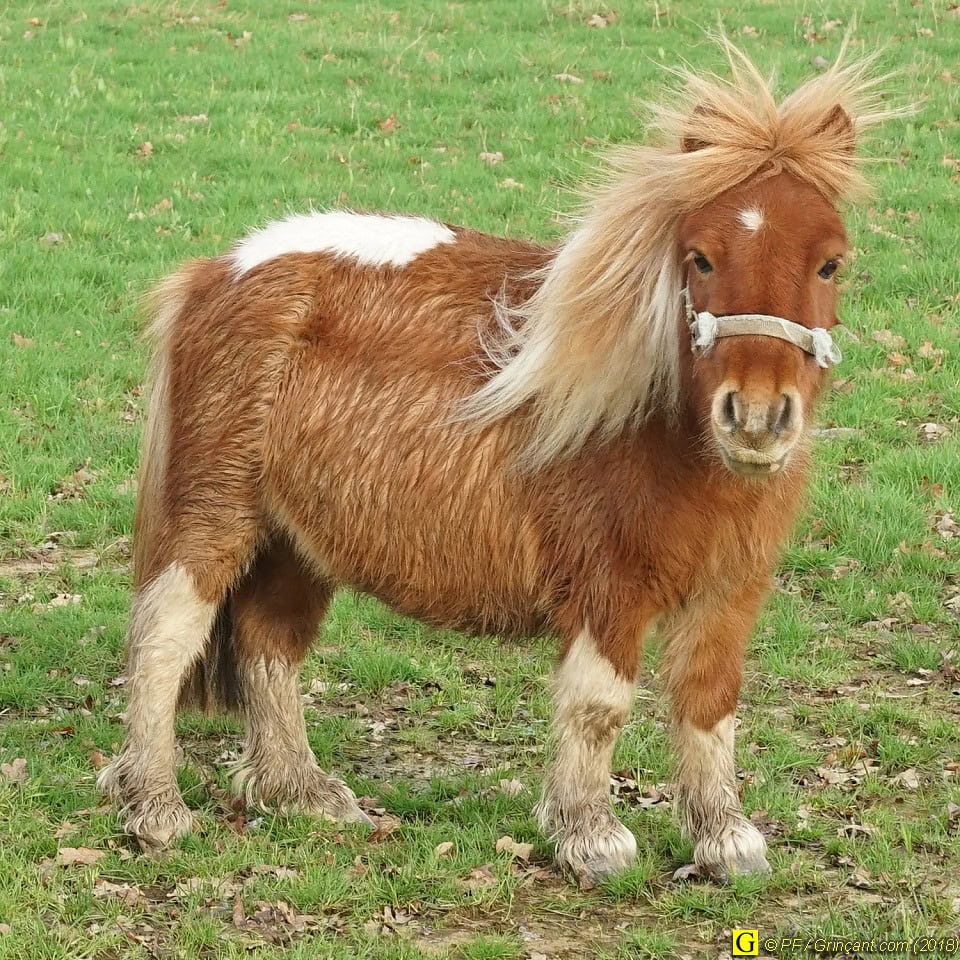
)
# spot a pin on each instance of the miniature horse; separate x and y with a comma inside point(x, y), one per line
point(591, 440)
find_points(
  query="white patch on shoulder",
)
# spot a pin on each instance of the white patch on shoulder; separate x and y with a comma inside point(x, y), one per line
point(371, 239)
point(751, 218)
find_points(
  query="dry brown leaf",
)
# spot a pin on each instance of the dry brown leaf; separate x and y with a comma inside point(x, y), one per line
point(508, 845)
point(479, 877)
point(390, 124)
point(511, 788)
point(15, 771)
point(933, 432)
point(889, 339)
point(127, 893)
point(19, 341)
point(601, 20)
point(909, 779)
point(78, 856)
point(385, 826)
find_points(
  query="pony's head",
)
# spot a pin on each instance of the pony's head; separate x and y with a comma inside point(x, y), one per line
point(700, 277)
point(759, 268)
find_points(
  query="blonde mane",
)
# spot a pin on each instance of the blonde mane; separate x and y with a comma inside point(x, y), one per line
point(596, 347)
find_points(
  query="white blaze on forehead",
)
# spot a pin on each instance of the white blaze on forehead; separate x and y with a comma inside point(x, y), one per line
point(751, 218)
point(371, 239)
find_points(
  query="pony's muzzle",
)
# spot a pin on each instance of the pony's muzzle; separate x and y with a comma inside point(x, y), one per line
point(756, 430)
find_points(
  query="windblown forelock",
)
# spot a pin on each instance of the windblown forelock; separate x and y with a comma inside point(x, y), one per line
point(596, 347)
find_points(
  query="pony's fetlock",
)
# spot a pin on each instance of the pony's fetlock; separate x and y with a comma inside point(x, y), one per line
point(592, 845)
point(157, 820)
point(154, 813)
point(737, 848)
point(303, 789)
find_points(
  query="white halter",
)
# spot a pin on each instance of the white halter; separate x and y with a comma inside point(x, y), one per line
point(705, 328)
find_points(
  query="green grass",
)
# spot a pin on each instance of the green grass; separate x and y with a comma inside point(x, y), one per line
point(851, 703)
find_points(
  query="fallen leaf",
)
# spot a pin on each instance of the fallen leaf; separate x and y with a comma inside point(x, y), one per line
point(19, 341)
point(601, 20)
point(78, 856)
point(889, 339)
point(508, 845)
point(854, 830)
point(390, 124)
point(127, 893)
point(932, 432)
point(16, 771)
point(511, 788)
point(567, 78)
point(479, 877)
point(385, 826)
point(862, 879)
point(909, 779)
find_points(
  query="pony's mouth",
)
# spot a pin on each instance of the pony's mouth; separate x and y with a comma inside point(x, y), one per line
point(754, 467)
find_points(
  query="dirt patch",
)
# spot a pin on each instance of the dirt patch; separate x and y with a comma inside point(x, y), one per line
point(37, 562)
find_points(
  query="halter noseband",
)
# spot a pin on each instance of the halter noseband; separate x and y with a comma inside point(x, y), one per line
point(705, 328)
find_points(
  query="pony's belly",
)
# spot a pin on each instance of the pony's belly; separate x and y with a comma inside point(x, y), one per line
point(432, 525)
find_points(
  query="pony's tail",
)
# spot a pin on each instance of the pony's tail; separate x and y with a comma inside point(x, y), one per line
point(213, 682)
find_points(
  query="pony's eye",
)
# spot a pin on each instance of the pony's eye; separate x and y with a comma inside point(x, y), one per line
point(702, 263)
point(828, 269)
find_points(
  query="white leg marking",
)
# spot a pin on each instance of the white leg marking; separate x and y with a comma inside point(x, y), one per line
point(169, 625)
point(726, 842)
point(591, 706)
point(751, 218)
point(278, 768)
point(372, 240)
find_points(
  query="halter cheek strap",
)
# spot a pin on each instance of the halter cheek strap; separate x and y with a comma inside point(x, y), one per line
point(705, 328)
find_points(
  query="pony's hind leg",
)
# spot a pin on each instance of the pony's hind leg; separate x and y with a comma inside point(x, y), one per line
point(275, 614)
point(592, 703)
point(169, 626)
point(703, 669)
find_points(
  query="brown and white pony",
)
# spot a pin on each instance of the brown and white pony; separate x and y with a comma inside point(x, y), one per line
point(501, 437)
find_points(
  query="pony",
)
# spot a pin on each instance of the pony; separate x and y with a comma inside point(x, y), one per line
point(592, 440)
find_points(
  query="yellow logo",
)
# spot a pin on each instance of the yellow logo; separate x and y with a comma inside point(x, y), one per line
point(745, 943)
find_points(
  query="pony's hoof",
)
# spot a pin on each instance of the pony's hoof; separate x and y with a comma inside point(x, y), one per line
point(739, 849)
point(158, 820)
point(596, 851)
point(331, 799)
point(308, 791)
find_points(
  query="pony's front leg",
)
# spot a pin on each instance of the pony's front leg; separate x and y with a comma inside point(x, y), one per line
point(703, 670)
point(591, 704)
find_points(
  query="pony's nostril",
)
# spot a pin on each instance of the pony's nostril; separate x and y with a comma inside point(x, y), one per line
point(783, 417)
point(730, 410)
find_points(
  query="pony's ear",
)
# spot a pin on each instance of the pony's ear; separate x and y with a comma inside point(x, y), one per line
point(693, 138)
point(838, 127)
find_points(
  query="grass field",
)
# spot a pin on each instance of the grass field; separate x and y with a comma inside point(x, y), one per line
point(132, 137)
